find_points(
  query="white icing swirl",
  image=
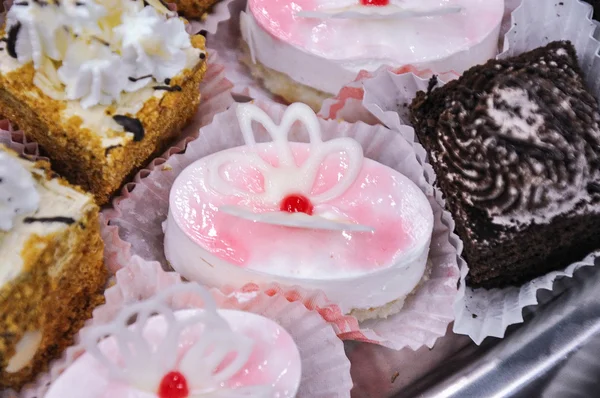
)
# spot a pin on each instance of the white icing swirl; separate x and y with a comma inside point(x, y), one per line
point(88, 72)
point(18, 194)
point(94, 39)
point(154, 45)
point(39, 32)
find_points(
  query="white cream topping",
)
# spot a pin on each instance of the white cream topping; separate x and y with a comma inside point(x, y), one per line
point(88, 72)
point(326, 54)
point(17, 191)
point(84, 36)
point(154, 45)
point(55, 200)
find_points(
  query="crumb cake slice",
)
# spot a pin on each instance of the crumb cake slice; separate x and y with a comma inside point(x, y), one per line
point(515, 144)
point(102, 87)
point(51, 268)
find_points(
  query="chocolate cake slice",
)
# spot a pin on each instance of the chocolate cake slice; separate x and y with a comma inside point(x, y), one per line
point(515, 144)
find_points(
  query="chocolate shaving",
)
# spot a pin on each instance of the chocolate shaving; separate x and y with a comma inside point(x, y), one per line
point(135, 79)
point(110, 148)
point(432, 83)
point(203, 32)
point(167, 81)
point(168, 88)
point(131, 125)
point(64, 220)
point(11, 42)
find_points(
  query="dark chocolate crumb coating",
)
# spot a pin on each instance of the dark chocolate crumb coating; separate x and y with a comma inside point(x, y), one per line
point(516, 146)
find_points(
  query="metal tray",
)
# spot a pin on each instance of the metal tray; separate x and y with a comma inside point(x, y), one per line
point(555, 354)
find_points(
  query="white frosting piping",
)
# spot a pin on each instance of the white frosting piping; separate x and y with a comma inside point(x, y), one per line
point(24, 351)
point(390, 11)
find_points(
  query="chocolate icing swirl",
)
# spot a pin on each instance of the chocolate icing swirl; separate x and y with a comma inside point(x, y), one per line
point(522, 142)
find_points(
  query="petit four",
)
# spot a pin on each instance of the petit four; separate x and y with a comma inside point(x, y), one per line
point(515, 144)
point(199, 352)
point(194, 9)
point(308, 50)
point(101, 85)
point(319, 215)
point(51, 273)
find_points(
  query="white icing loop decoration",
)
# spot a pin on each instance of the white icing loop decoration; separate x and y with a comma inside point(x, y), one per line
point(143, 366)
point(18, 194)
point(288, 178)
point(378, 12)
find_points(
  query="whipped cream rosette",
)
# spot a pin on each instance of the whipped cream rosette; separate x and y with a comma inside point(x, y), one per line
point(318, 277)
point(385, 96)
point(76, 46)
point(186, 341)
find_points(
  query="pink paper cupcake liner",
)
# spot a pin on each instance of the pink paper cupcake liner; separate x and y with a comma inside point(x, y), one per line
point(134, 225)
point(325, 367)
point(16, 140)
point(385, 96)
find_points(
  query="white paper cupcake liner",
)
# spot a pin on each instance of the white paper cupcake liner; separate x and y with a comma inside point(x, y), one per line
point(134, 225)
point(385, 96)
point(325, 367)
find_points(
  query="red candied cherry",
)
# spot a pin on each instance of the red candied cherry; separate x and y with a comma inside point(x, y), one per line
point(374, 2)
point(173, 385)
point(296, 204)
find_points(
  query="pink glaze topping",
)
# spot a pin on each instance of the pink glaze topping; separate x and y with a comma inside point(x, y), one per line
point(274, 361)
point(398, 42)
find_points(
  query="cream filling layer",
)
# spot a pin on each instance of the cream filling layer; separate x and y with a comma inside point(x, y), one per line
point(56, 200)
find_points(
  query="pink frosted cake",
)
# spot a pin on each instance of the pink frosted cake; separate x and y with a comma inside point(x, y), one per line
point(307, 50)
point(318, 215)
point(186, 353)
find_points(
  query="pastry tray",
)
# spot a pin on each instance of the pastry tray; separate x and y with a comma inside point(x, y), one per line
point(555, 353)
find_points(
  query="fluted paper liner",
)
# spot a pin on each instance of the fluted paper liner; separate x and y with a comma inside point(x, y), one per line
point(325, 368)
point(134, 226)
point(482, 312)
point(224, 40)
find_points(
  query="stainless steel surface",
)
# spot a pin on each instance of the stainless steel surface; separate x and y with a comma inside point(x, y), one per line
point(523, 364)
